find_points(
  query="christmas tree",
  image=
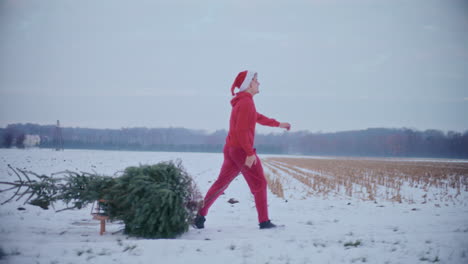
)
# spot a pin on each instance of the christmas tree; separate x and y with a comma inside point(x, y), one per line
point(154, 201)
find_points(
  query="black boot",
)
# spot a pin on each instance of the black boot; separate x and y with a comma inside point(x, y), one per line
point(267, 224)
point(200, 221)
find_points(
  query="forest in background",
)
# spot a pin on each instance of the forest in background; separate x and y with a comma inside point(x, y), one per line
point(375, 142)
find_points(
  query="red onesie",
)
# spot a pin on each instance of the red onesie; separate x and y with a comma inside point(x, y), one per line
point(239, 145)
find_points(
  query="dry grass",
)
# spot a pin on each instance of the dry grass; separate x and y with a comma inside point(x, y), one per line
point(371, 179)
point(274, 183)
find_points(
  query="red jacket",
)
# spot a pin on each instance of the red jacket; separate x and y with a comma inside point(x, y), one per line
point(244, 117)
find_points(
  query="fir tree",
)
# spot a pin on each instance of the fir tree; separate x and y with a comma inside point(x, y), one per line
point(154, 201)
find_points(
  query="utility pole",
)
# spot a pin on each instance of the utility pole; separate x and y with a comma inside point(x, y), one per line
point(58, 139)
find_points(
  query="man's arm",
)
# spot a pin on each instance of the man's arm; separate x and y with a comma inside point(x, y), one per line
point(263, 120)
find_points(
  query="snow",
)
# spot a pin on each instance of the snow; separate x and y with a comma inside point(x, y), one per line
point(336, 229)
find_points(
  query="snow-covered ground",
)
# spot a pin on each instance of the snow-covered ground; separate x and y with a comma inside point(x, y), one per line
point(318, 230)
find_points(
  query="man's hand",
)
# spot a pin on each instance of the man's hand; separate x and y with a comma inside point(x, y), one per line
point(287, 126)
point(250, 160)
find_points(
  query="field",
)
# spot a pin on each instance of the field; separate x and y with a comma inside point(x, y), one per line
point(373, 179)
point(335, 210)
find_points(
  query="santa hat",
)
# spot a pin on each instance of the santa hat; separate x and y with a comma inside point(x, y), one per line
point(242, 81)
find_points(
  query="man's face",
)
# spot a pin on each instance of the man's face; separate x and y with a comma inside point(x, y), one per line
point(254, 85)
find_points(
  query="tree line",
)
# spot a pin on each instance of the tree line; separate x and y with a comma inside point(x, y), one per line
point(379, 142)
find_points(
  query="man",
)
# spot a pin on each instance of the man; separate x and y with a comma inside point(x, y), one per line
point(239, 154)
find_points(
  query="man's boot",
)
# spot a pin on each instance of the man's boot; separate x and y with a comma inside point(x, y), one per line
point(200, 221)
point(266, 225)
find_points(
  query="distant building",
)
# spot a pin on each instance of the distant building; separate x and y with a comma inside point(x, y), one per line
point(31, 141)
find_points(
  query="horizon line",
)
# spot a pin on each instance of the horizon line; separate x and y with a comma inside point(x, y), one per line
point(223, 129)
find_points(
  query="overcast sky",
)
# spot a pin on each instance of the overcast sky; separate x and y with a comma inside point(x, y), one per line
point(324, 65)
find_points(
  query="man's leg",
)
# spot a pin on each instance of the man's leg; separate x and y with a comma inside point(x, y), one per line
point(258, 186)
point(228, 172)
point(256, 181)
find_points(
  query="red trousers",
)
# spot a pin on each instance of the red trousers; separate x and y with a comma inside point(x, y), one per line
point(234, 163)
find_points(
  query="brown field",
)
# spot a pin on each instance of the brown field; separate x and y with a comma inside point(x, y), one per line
point(372, 179)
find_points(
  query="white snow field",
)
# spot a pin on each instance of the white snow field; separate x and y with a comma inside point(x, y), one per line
point(337, 229)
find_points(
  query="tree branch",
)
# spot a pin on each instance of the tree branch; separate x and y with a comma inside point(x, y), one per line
point(17, 174)
point(8, 189)
point(26, 192)
point(11, 183)
point(68, 208)
point(17, 191)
